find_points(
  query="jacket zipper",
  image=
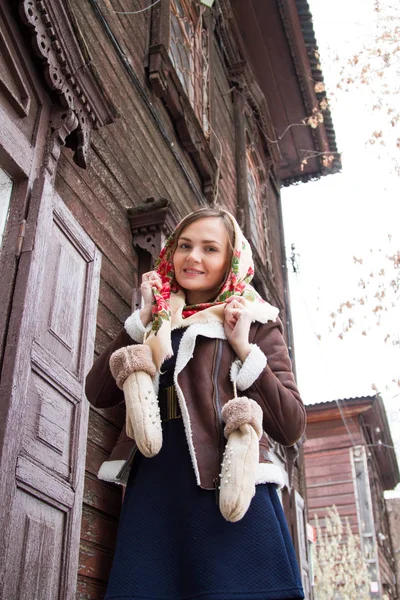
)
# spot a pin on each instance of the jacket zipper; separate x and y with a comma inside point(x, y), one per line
point(218, 409)
point(128, 462)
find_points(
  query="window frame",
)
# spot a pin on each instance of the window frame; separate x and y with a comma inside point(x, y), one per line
point(262, 163)
point(246, 124)
point(167, 86)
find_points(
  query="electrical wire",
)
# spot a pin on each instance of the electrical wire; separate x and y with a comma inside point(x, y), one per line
point(345, 422)
point(279, 137)
point(135, 12)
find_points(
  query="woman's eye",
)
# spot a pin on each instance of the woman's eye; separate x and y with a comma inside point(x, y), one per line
point(184, 246)
point(211, 249)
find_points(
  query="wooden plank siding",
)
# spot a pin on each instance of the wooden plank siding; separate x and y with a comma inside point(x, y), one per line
point(224, 128)
point(329, 475)
point(134, 142)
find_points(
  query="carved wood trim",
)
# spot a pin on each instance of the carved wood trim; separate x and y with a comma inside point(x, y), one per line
point(62, 123)
point(166, 85)
point(68, 69)
point(151, 223)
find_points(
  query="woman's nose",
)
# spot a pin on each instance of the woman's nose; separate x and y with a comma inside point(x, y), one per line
point(194, 254)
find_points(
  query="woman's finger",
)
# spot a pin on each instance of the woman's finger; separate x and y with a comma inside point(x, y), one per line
point(234, 298)
point(152, 278)
point(232, 316)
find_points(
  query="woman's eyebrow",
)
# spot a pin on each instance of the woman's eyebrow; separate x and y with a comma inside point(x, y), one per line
point(202, 241)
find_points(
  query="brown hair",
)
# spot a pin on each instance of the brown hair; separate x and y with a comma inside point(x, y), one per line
point(205, 213)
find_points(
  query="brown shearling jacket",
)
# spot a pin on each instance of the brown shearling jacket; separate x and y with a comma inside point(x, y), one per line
point(206, 366)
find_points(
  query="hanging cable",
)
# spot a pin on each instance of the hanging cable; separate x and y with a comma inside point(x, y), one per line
point(345, 423)
point(135, 12)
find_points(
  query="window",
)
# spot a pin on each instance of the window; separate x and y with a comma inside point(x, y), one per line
point(257, 203)
point(189, 54)
point(180, 73)
point(254, 198)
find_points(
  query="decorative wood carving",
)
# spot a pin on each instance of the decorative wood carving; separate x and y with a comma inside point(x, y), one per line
point(68, 70)
point(62, 123)
point(151, 224)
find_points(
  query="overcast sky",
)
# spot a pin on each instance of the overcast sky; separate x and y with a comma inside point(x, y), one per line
point(335, 219)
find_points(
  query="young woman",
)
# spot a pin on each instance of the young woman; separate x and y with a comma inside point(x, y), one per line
point(201, 518)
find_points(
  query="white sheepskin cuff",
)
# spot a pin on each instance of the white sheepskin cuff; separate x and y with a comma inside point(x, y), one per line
point(109, 470)
point(134, 327)
point(245, 374)
point(269, 473)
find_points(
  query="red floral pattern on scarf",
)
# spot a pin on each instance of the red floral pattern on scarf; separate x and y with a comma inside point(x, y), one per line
point(165, 268)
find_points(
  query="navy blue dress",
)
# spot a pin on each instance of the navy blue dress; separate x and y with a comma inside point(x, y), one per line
point(174, 544)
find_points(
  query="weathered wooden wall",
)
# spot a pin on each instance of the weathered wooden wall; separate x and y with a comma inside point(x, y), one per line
point(131, 161)
point(328, 469)
point(224, 127)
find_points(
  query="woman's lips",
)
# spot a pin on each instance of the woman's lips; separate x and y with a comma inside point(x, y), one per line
point(193, 272)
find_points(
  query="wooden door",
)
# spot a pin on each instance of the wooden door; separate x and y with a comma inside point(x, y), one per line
point(44, 412)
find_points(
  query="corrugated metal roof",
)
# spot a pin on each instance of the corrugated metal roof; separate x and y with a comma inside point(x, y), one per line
point(350, 399)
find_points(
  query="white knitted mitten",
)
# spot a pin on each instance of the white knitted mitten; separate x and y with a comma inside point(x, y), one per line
point(243, 430)
point(133, 369)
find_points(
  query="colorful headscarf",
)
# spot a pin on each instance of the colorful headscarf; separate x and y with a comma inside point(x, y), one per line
point(169, 310)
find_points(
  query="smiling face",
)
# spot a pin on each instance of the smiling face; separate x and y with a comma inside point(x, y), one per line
point(201, 259)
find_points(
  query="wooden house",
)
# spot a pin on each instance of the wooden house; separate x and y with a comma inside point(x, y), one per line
point(349, 462)
point(118, 118)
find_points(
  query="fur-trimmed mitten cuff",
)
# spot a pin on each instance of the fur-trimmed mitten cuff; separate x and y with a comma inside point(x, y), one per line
point(133, 369)
point(243, 418)
point(238, 412)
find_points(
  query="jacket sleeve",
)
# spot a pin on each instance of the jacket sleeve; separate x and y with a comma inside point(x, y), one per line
point(101, 389)
point(266, 376)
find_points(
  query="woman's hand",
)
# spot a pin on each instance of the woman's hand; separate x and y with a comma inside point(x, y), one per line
point(237, 326)
point(149, 280)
